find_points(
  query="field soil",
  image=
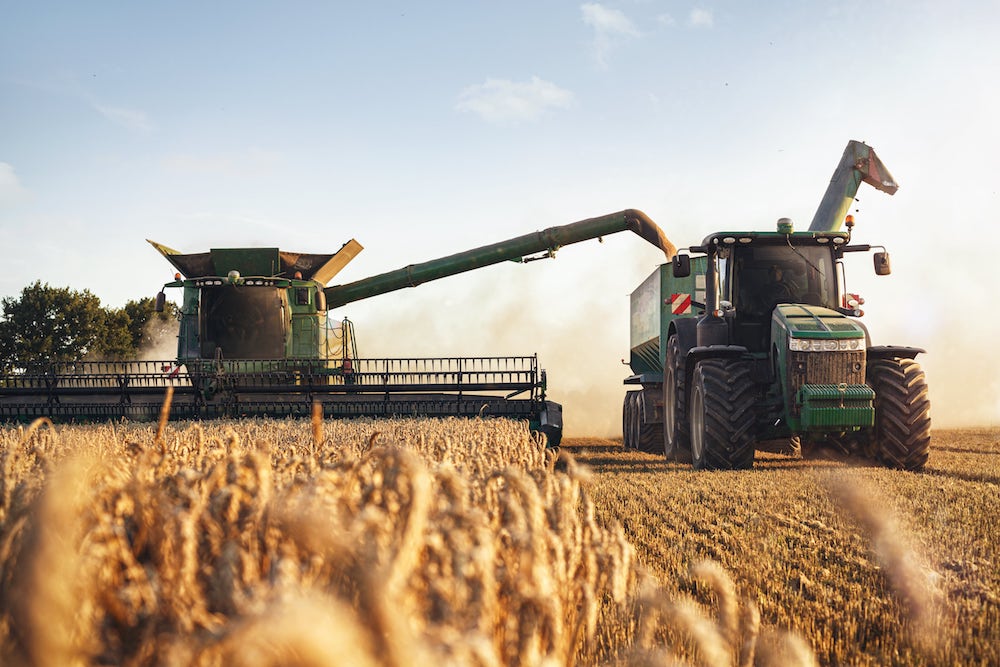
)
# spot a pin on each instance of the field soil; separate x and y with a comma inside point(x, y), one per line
point(868, 565)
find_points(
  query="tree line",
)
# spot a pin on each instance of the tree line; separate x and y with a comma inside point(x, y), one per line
point(60, 324)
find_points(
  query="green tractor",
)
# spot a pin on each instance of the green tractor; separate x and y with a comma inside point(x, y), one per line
point(750, 341)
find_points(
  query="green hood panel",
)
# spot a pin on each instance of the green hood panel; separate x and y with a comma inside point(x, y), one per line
point(805, 321)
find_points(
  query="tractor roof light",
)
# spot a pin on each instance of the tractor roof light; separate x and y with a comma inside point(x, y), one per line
point(234, 277)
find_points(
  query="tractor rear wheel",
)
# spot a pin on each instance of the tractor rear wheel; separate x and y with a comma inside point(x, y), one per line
point(676, 428)
point(902, 436)
point(722, 415)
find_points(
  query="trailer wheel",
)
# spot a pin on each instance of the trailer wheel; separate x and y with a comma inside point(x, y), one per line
point(722, 418)
point(648, 435)
point(676, 428)
point(628, 439)
point(902, 436)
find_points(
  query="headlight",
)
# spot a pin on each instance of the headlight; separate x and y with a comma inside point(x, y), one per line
point(824, 344)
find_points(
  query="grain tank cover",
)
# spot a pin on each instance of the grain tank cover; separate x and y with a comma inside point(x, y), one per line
point(270, 262)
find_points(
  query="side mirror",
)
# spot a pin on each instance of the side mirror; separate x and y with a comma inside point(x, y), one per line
point(681, 265)
point(883, 266)
point(161, 302)
point(320, 300)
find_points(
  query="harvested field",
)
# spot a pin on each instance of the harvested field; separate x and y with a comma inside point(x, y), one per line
point(414, 541)
point(870, 566)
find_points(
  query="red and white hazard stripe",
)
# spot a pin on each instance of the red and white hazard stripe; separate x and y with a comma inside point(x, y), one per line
point(680, 304)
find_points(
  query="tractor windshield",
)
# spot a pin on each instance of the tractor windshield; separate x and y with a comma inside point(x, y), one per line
point(241, 322)
point(762, 276)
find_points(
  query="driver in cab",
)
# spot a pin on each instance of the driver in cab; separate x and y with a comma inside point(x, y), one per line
point(777, 289)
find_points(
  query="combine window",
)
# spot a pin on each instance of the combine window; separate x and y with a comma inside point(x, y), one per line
point(241, 322)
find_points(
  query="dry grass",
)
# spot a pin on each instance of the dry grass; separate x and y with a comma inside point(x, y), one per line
point(870, 566)
point(287, 543)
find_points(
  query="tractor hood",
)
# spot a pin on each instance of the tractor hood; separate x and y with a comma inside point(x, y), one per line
point(805, 321)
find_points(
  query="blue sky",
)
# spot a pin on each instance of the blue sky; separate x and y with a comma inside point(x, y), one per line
point(422, 129)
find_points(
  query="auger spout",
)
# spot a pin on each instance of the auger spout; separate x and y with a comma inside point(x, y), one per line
point(515, 249)
point(858, 165)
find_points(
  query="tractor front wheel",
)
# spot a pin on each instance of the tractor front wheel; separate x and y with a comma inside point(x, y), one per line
point(722, 416)
point(902, 436)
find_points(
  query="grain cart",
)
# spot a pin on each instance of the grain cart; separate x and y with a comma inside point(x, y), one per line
point(751, 341)
point(255, 339)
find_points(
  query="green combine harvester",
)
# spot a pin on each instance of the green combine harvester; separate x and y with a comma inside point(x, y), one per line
point(256, 339)
point(750, 341)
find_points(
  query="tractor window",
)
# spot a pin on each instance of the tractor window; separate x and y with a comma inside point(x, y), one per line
point(764, 276)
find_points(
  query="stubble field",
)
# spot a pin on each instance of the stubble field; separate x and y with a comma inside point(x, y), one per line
point(870, 566)
point(463, 542)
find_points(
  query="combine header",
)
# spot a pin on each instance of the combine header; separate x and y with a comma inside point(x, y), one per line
point(255, 339)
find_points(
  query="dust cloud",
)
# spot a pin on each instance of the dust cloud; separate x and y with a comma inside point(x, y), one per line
point(159, 340)
point(572, 312)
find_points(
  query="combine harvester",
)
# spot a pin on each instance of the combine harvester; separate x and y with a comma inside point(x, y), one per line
point(751, 341)
point(255, 340)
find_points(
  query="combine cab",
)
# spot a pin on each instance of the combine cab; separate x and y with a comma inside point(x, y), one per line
point(255, 339)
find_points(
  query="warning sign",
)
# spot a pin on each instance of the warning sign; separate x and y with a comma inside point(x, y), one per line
point(680, 304)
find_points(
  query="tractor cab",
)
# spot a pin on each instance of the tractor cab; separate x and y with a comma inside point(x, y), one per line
point(757, 271)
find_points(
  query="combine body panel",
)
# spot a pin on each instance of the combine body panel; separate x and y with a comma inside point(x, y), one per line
point(769, 351)
point(255, 340)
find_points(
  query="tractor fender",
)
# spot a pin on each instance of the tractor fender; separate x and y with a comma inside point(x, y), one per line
point(686, 330)
point(697, 354)
point(893, 352)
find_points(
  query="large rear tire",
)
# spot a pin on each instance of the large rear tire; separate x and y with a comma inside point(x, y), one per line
point(676, 427)
point(902, 437)
point(722, 416)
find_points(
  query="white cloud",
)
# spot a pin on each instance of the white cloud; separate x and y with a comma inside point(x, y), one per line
point(504, 101)
point(128, 118)
point(666, 19)
point(701, 18)
point(611, 27)
point(11, 190)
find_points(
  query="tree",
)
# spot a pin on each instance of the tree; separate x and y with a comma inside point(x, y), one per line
point(50, 324)
point(59, 324)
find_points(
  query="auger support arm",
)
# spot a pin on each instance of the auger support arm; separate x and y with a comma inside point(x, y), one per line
point(515, 249)
point(858, 165)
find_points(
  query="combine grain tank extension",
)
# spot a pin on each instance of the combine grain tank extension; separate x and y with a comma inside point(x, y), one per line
point(751, 341)
point(255, 339)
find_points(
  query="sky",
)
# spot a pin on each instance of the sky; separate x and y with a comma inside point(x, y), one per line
point(424, 129)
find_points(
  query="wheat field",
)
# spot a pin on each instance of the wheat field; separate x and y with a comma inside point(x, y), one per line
point(464, 542)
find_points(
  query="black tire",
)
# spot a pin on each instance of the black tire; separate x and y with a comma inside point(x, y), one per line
point(628, 421)
point(676, 427)
point(722, 415)
point(902, 437)
point(648, 435)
